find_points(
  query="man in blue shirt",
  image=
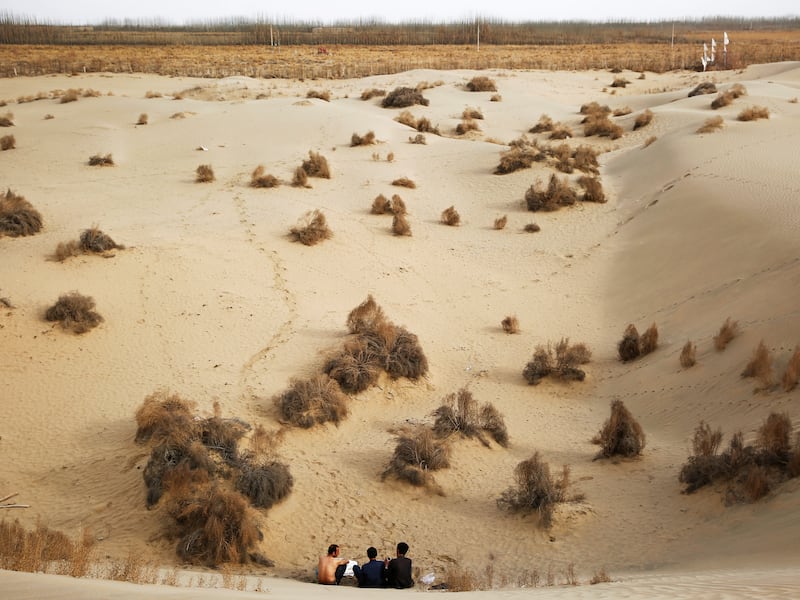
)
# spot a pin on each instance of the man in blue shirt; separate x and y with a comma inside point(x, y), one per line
point(372, 574)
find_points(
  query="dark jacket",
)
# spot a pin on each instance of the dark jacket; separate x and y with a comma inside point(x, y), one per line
point(398, 573)
point(371, 574)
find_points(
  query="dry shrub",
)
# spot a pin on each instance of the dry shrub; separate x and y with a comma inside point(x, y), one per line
point(560, 362)
point(585, 159)
point(649, 141)
point(320, 95)
point(405, 357)
point(71, 95)
point(518, 157)
point(593, 108)
point(500, 222)
point(204, 174)
point(725, 98)
point(368, 139)
point(75, 312)
point(557, 194)
point(711, 125)
point(622, 111)
point(619, 82)
point(649, 340)
point(545, 123)
point(688, 356)
point(481, 83)
point(471, 113)
point(792, 373)
point(753, 113)
point(372, 93)
point(560, 132)
point(600, 125)
point(628, 347)
point(450, 217)
point(94, 240)
point(316, 165)
point(143, 119)
point(300, 178)
point(531, 228)
point(774, 439)
point(592, 189)
point(258, 179)
point(706, 87)
point(7, 120)
point(423, 124)
point(510, 324)
point(466, 126)
point(458, 579)
point(600, 577)
point(151, 94)
point(643, 119)
point(356, 367)
point(760, 366)
point(496, 98)
point(163, 416)
point(418, 139)
point(402, 97)
point(536, 490)
point(460, 413)
point(398, 206)
point(308, 402)
point(381, 205)
point(705, 441)
point(43, 550)
point(727, 331)
point(312, 228)
point(621, 434)
point(400, 225)
point(96, 160)
point(8, 142)
point(17, 216)
point(365, 317)
point(415, 455)
point(264, 484)
point(404, 182)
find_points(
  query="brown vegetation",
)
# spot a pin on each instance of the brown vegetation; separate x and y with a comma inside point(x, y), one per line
point(7, 120)
point(598, 123)
point(619, 82)
point(560, 362)
point(711, 125)
point(312, 401)
point(43, 550)
point(592, 189)
point(544, 124)
point(706, 87)
point(471, 113)
point(466, 126)
point(423, 124)
point(372, 93)
point(8, 142)
point(760, 366)
point(92, 240)
point(402, 97)
point(643, 119)
point(416, 455)
point(404, 182)
point(536, 490)
point(319, 95)
point(74, 312)
point(622, 111)
point(460, 413)
point(518, 157)
point(557, 194)
point(17, 216)
point(510, 324)
point(632, 345)
point(143, 119)
point(450, 217)
point(727, 331)
point(311, 229)
point(481, 83)
point(97, 160)
point(500, 222)
point(400, 225)
point(725, 98)
point(418, 139)
point(258, 179)
point(368, 139)
point(688, 357)
point(754, 113)
point(621, 434)
point(316, 165)
point(300, 178)
point(792, 373)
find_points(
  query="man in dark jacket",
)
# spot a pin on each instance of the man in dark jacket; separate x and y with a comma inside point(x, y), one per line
point(398, 570)
point(371, 574)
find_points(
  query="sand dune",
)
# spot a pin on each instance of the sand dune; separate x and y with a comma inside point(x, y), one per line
point(211, 300)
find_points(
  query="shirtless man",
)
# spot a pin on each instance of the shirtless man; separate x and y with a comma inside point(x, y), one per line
point(331, 568)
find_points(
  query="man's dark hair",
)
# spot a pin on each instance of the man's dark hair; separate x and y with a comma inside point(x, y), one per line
point(332, 549)
point(402, 548)
point(371, 552)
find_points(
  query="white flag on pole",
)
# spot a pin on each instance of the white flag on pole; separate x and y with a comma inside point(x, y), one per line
point(704, 60)
point(705, 51)
point(725, 40)
point(713, 48)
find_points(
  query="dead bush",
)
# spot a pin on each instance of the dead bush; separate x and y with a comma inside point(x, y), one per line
point(706, 87)
point(204, 174)
point(557, 194)
point(423, 124)
point(621, 434)
point(460, 413)
point(71, 95)
point(792, 373)
point(536, 490)
point(311, 229)
point(592, 189)
point(471, 113)
point(481, 83)
point(496, 98)
point(600, 577)
point(560, 361)
point(404, 182)
point(405, 357)
point(774, 439)
point(466, 126)
point(531, 228)
point(143, 119)
point(372, 93)
point(365, 317)
point(728, 331)
point(300, 178)
point(264, 484)
point(368, 139)
point(418, 139)
point(725, 98)
point(319, 95)
point(500, 222)
point(17, 216)
point(649, 340)
point(94, 240)
point(510, 324)
point(753, 113)
point(450, 217)
point(260, 179)
point(400, 225)
point(165, 416)
point(560, 132)
point(544, 124)
point(398, 207)
point(593, 108)
point(356, 367)
point(619, 82)
point(97, 160)
point(519, 157)
point(711, 125)
point(649, 141)
point(402, 97)
point(316, 165)
point(643, 119)
point(622, 111)
point(760, 366)
point(8, 142)
point(74, 312)
point(600, 125)
point(7, 120)
point(312, 401)
point(381, 205)
point(585, 159)
point(416, 455)
point(628, 347)
point(688, 356)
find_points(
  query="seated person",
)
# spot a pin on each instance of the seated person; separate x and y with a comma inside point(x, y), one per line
point(331, 568)
point(398, 570)
point(373, 573)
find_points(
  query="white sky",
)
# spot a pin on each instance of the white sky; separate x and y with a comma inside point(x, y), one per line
point(178, 12)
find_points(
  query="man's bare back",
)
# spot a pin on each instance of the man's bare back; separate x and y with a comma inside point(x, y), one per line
point(326, 569)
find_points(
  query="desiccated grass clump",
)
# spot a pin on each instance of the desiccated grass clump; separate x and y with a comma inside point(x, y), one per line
point(754, 113)
point(619, 82)
point(368, 139)
point(460, 413)
point(649, 340)
point(632, 345)
point(545, 123)
point(316, 165)
point(560, 361)
point(560, 132)
point(622, 111)
point(319, 95)
point(471, 113)
point(71, 95)
point(402, 97)
point(621, 434)
point(423, 124)
point(18, 217)
point(536, 490)
point(643, 119)
point(592, 189)
point(496, 98)
point(381, 205)
point(143, 119)
point(416, 455)
point(97, 160)
point(418, 139)
point(760, 366)
point(481, 83)
point(518, 157)
point(260, 179)
point(584, 159)
point(8, 142)
point(204, 174)
point(510, 324)
point(688, 357)
point(727, 331)
point(74, 312)
point(792, 373)
point(450, 217)
point(300, 178)
point(311, 229)
point(44, 550)
point(7, 120)
point(315, 400)
point(356, 367)
point(706, 87)
point(711, 125)
point(466, 126)
point(265, 484)
point(500, 222)
point(725, 98)
point(372, 93)
point(558, 193)
point(94, 240)
point(404, 182)
point(600, 125)
point(400, 225)
point(531, 228)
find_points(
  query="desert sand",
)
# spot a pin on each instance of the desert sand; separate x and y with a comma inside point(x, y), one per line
point(211, 300)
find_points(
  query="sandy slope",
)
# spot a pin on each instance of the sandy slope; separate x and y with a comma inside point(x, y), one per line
point(212, 301)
